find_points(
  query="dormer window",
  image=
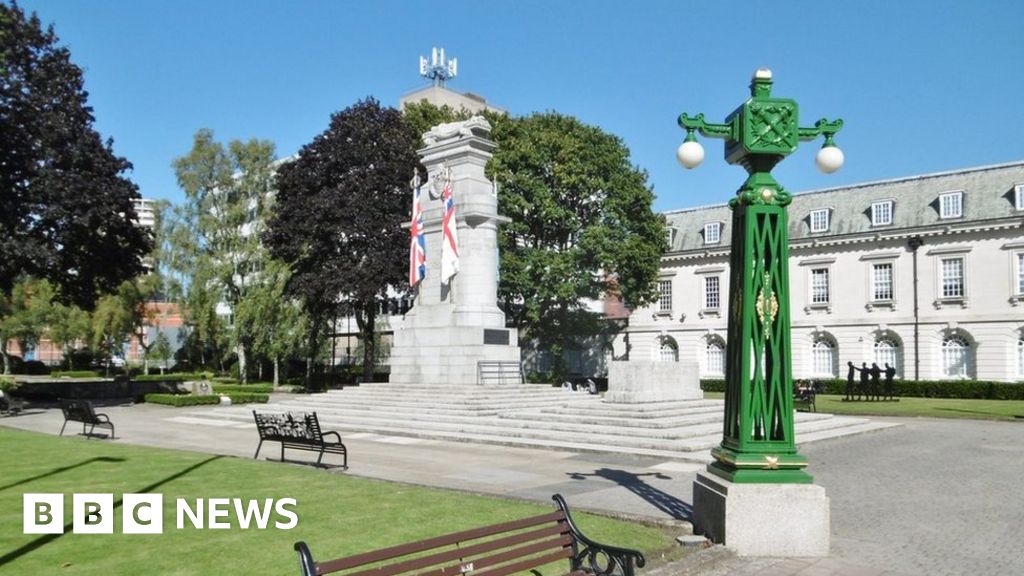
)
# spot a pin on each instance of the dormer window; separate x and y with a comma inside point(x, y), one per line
point(712, 232)
point(1018, 196)
point(670, 234)
point(951, 205)
point(819, 220)
point(881, 213)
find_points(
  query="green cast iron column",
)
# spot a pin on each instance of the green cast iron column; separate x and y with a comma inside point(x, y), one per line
point(758, 443)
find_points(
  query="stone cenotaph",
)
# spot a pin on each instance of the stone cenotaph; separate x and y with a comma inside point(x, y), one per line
point(453, 326)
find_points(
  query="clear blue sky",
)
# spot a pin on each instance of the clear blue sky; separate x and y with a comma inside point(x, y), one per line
point(923, 86)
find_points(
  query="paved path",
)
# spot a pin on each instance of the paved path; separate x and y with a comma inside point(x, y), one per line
point(930, 497)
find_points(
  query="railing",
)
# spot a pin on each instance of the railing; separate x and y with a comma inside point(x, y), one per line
point(494, 372)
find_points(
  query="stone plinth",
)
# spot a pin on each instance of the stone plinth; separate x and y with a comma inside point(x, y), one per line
point(454, 326)
point(638, 381)
point(762, 519)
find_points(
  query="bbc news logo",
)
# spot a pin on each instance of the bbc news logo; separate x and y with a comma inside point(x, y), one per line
point(144, 513)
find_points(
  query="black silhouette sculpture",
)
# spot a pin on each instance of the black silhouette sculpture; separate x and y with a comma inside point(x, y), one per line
point(890, 372)
point(849, 382)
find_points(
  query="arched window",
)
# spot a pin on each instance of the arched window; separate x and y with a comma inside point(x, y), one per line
point(668, 351)
point(956, 357)
point(823, 357)
point(887, 351)
point(715, 358)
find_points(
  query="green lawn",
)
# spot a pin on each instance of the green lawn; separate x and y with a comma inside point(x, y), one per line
point(338, 514)
point(930, 407)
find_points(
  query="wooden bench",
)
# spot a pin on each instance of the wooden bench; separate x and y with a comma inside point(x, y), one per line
point(82, 411)
point(497, 550)
point(300, 432)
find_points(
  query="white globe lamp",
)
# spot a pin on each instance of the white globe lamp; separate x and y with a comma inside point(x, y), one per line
point(690, 154)
point(829, 159)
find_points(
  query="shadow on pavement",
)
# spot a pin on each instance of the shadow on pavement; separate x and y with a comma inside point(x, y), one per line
point(633, 482)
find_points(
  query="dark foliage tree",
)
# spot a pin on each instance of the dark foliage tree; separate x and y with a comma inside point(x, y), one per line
point(66, 210)
point(339, 211)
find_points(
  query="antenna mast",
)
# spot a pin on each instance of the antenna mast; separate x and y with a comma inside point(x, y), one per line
point(438, 69)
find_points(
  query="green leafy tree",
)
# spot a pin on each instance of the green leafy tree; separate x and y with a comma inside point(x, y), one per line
point(160, 351)
point(115, 320)
point(582, 228)
point(69, 326)
point(228, 191)
point(66, 211)
point(24, 316)
point(582, 224)
point(339, 211)
point(275, 320)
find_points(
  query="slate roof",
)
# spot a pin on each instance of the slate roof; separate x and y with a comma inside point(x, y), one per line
point(988, 195)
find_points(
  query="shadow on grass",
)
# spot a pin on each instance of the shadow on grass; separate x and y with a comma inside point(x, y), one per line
point(633, 482)
point(47, 538)
point(61, 470)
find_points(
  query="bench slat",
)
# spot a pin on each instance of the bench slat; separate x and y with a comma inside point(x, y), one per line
point(516, 567)
point(438, 541)
point(562, 547)
point(549, 537)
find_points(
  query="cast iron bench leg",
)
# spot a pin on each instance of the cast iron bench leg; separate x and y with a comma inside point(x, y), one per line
point(257, 454)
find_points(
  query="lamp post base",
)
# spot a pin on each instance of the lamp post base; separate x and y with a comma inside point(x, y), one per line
point(762, 519)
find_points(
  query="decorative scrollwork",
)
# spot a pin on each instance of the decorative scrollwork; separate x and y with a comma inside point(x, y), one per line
point(599, 559)
point(767, 306)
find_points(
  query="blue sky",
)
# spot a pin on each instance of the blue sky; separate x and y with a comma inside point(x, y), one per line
point(922, 86)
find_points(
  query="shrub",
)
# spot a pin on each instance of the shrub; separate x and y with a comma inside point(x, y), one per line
point(75, 374)
point(175, 377)
point(243, 388)
point(179, 400)
point(963, 389)
point(7, 383)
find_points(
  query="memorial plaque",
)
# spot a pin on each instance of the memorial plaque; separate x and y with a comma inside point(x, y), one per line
point(499, 337)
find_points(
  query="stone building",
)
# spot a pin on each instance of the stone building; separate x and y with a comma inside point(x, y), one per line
point(925, 273)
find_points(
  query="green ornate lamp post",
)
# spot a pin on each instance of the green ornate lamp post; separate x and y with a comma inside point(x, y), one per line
point(758, 444)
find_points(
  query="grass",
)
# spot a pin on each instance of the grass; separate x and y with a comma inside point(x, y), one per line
point(338, 514)
point(926, 407)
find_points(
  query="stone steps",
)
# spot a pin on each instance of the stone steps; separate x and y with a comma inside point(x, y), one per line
point(686, 437)
point(531, 416)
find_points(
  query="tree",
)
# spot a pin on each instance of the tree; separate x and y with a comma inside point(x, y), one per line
point(227, 191)
point(115, 320)
point(160, 350)
point(68, 326)
point(339, 211)
point(66, 211)
point(582, 227)
point(275, 320)
point(24, 316)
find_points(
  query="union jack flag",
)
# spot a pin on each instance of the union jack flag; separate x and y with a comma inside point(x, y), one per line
point(417, 241)
point(449, 235)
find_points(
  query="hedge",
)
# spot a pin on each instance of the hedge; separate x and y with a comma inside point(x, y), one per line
point(173, 377)
point(179, 400)
point(75, 374)
point(243, 388)
point(963, 389)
